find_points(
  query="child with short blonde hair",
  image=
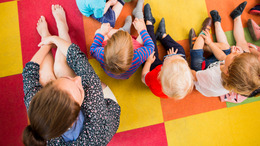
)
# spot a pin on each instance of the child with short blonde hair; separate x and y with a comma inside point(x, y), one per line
point(176, 78)
point(171, 78)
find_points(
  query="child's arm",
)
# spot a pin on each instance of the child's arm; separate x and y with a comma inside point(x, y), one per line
point(96, 49)
point(218, 53)
point(146, 51)
point(194, 75)
point(147, 66)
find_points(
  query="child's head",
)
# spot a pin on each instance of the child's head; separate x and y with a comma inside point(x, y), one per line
point(242, 75)
point(118, 53)
point(51, 112)
point(176, 77)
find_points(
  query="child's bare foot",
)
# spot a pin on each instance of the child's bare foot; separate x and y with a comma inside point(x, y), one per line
point(60, 18)
point(42, 27)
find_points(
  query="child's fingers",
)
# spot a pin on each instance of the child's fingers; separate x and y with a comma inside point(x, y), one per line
point(203, 36)
point(176, 51)
point(205, 33)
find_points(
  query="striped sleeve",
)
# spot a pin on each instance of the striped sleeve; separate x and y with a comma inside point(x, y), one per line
point(147, 50)
point(96, 49)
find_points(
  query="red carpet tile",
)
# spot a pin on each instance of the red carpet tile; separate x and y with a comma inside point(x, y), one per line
point(194, 103)
point(152, 135)
point(29, 14)
point(12, 110)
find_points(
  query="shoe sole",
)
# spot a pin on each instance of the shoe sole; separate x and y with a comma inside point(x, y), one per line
point(251, 29)
point(206, 24)
point(254, 12)
point(192, 38)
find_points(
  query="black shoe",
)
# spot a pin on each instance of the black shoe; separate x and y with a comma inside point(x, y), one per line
point(238, 10)
point(192, 37)
point(148, 14)
point(215, 16)
point(161, 30)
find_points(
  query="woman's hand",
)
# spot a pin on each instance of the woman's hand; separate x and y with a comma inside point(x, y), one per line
point(171, 51)
point(139, 25)
point(47, 41)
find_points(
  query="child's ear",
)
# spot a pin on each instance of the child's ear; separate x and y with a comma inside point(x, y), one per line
point(226, 72)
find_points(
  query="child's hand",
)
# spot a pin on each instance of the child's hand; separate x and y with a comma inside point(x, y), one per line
point(151, 58)
point(47, 41)
point(112, 2)
point(139, 25)
point(206, 37)
point(171, 51)
point(104, 29)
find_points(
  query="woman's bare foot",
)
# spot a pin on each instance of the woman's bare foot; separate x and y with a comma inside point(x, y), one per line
point(42, 27)
point(60, 18)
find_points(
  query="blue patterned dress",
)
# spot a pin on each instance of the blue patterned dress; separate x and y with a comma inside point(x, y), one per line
point(101, 116)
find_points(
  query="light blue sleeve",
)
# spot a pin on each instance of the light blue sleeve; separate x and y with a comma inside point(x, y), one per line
point(98, 8)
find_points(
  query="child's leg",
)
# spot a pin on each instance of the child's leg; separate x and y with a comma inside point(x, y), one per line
point(150, 29)
point(220, 34)
point(169, 43)
point(239, 34)
point(117, 8)
point(61, 67)
point(138, 10)
point(196, 54)
point(238, 26)
point(127, 25)
point(46, 67)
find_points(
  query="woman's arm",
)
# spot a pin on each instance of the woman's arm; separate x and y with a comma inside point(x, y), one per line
point(61, 44)
point(41, 53)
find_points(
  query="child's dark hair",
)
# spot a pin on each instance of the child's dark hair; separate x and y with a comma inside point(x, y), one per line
point(51, 112)
point(119, 53)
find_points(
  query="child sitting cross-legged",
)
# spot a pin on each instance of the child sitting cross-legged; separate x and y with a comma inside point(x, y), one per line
point(171, 78)
point(121, 55)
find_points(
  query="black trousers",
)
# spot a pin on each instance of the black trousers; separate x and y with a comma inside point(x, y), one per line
point(167, 43)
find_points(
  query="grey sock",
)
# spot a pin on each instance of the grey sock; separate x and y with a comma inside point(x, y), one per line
point(128, 23)
point(138, 10)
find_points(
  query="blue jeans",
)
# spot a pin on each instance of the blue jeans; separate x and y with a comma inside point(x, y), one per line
point(197, 58)
point(108, 17)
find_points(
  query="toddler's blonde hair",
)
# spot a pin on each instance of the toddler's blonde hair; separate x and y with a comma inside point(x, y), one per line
point(243, 74)
point(176, 78)
point(119, 53)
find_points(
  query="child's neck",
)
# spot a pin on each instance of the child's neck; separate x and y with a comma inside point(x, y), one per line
point(223, 68)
